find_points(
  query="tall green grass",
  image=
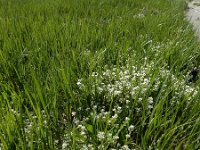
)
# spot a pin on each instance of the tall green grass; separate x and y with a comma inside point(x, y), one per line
point(98, 74)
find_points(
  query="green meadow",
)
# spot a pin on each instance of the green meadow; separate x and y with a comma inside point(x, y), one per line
point(98, 75)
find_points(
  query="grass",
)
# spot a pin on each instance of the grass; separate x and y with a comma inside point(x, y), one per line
point(98, 74)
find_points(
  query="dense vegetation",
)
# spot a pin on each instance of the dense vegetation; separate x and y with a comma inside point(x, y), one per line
point(98, 74)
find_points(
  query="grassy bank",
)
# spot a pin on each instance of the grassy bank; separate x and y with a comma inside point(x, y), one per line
point(98, 74)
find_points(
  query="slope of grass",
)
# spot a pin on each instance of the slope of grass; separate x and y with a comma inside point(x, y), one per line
point(98, 74)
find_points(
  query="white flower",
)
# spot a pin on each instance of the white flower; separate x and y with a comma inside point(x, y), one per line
point(127, 119)
point(99, 89)
point(150, 100)
point(79, 82)
point(132, 93)
point(140, 15)
point(139, 99)
point(131, 128)
point(115, 137)
point(119, 108)
point(64, 145)
point(90, 146)
point(73, 113)
point(83, 133)
point(94, 74)
point(110, 90)
point(84, 147)
point(101, 136)
point(125, 147)
point(146, 81)
point(150, 106)
point(128, 136)
point(117, 93)
point(115, 116)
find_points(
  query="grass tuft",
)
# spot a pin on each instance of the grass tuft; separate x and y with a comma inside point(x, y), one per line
point(98, 74)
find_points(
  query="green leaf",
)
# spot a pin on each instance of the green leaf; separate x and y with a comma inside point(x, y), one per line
point(90, 128)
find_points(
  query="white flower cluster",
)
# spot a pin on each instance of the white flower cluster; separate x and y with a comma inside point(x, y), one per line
point(106, 130)
point(137, 85)
point(117, 93)
point(139, 16)
point(125, 83)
